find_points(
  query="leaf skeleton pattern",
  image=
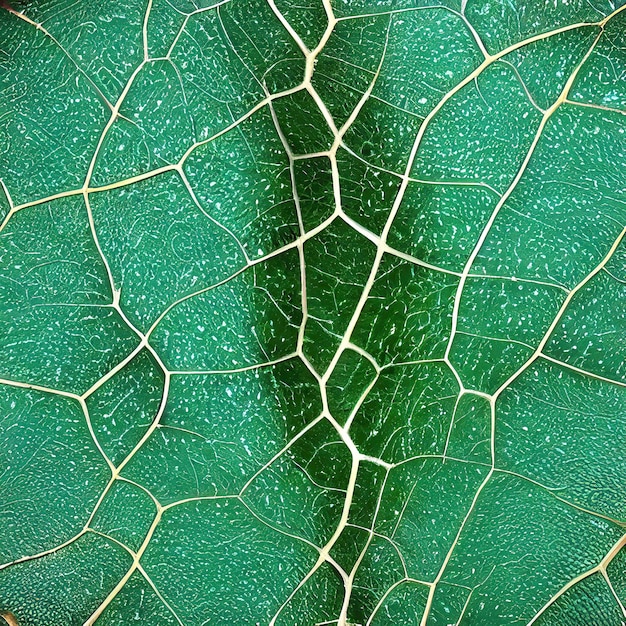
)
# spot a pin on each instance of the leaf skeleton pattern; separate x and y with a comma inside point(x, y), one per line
point(312, 313)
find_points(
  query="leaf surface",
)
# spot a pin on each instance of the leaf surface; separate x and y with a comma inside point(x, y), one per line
point(312, 313)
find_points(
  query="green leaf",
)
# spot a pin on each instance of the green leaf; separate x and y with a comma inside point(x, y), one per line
point(312, 312)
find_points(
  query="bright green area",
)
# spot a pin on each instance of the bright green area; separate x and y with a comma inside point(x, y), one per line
point(313, 313)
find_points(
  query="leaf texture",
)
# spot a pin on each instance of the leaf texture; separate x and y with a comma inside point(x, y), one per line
point(313, 312)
